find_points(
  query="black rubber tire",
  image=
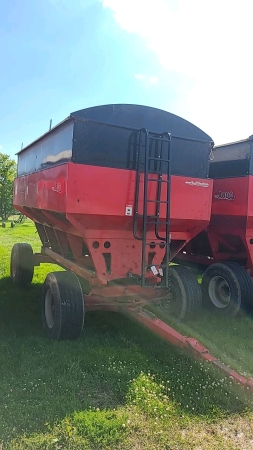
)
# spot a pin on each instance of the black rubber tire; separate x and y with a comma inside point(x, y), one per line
point(12, 224)
point(62, 306)
point(238, 284)
point(185, 293)
point(22, 264)
point(3, 225)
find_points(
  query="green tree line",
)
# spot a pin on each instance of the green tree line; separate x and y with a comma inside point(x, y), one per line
point(8, 171)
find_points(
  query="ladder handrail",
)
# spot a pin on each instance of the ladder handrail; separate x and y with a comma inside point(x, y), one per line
point(162, 141)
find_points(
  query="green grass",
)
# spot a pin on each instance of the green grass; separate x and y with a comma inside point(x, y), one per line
point(119, 386)
point(229, 339)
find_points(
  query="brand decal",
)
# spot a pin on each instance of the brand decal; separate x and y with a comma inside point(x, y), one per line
point(197, 183)
point(225, 195)
point(57, 187)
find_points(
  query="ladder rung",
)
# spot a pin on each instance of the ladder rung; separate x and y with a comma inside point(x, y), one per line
point(140, 216)
point(158, 201)
point(156, 222)
point(158, 139)
point(156, 217)
point(158, 181)
point(151, 158)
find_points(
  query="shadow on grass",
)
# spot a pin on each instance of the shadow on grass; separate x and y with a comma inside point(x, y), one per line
point(44, 381)
point(19, 309)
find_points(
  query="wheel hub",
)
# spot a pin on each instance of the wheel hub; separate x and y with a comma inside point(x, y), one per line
point(219, 292)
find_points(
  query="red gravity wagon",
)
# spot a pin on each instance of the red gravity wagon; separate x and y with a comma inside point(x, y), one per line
point(116, 192)
point(225, 248)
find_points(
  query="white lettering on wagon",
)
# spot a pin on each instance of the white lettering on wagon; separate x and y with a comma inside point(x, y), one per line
point(229, 195)
point(197, 183)
point(57, 187)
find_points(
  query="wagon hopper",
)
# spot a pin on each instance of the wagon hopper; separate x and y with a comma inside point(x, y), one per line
point(116, 192)
point(226, 246)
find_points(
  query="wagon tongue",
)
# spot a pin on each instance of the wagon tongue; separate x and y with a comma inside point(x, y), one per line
point(149, 320)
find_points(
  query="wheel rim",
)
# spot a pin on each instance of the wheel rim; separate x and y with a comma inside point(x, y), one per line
point(49, 309)
point(219, 292)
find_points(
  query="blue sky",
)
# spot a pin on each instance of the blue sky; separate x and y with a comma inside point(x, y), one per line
point(192, 58)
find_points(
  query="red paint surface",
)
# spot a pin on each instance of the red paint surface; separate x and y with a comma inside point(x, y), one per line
point(236, 207)
point(91, 201)
point(230, 232)
point(92, 190)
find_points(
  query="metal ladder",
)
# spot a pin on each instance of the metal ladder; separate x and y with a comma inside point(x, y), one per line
point(152, 157)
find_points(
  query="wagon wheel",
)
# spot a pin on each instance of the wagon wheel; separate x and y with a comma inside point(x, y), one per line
point(62, 306)
point(184, 297)
point(227, 287)
point(22, 264)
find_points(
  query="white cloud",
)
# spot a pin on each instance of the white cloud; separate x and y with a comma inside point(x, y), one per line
point(209, 43)
point(148, 79)
point(139, 77)
point(153, 79)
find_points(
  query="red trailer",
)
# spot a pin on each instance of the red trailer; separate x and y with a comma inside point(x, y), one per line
point(225, 248)
point(116, 192)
